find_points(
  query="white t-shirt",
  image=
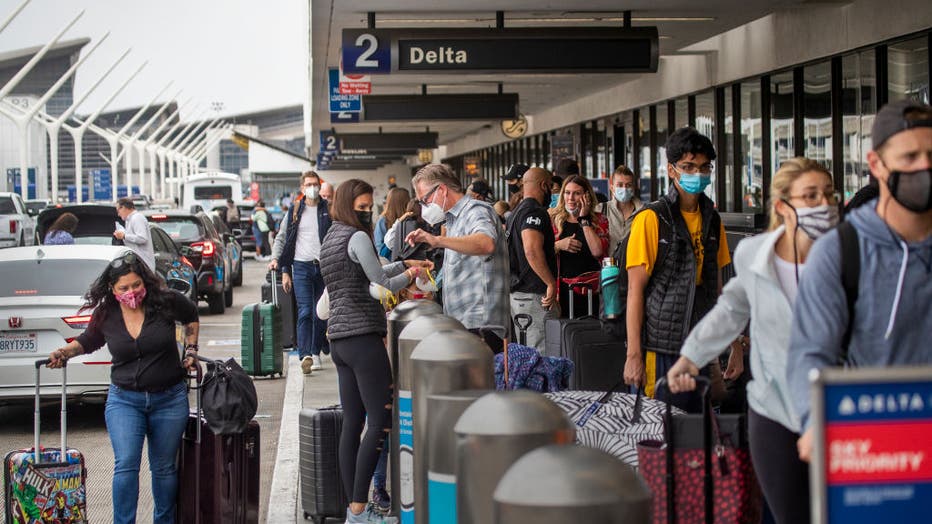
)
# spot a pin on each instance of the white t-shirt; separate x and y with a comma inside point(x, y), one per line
point(786, 275)
point(307, 246)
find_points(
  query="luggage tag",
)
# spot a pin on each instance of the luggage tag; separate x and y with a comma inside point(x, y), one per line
point(604, 399)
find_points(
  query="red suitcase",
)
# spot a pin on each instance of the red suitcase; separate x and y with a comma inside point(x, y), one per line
point(218, 475)
point(44, 487)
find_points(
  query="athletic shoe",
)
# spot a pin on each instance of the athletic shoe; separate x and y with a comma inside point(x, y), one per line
point(368, 516)
point(381, 499)
point(307, 365)
point(315, 363)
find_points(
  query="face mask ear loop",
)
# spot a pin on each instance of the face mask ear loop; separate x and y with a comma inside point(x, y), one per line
point(795, 232)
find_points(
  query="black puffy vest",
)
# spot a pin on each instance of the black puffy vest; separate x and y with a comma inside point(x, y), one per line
point(673, 303)
point(353, 311)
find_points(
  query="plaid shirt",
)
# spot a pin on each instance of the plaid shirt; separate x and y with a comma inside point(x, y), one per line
point(475, 288)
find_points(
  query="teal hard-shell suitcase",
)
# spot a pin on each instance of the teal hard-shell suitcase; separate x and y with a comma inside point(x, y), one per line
point(261, 338)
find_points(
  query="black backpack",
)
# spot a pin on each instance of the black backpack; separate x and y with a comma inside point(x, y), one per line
point(850, 273)
point(228, 397)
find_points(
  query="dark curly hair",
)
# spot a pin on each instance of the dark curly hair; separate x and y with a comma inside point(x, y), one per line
point(99, 298)
point(686, 140)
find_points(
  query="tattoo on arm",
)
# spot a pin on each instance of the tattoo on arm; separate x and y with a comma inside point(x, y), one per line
point(190, 332)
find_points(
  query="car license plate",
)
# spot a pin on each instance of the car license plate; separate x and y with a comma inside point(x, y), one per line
point(18, 342)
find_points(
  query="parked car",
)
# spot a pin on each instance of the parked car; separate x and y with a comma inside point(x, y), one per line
point(96, 223)
point(40, 311)
point(234, 249)
point(246, 238)
point(17, 227)
point(199, 241)
point(34, 207)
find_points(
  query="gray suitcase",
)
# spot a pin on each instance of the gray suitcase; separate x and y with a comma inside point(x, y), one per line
point(322, 494)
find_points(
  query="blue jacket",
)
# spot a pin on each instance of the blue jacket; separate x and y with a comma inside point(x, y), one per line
point(292, 219)
point(892, 318)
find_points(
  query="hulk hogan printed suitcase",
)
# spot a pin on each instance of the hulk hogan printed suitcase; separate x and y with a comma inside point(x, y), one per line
point(46, 487)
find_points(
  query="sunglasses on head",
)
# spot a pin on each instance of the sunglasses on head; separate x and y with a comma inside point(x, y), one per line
point(127, 259)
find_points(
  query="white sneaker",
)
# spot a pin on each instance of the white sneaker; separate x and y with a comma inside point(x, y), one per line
point(307, 365)
point(316, 365)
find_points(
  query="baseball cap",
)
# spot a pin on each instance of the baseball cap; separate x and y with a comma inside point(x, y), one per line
point(516, 171)
point(480, 187)
point(566, 167)
point(892, 119)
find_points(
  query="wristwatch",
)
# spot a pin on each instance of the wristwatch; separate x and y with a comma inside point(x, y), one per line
point(585, 221)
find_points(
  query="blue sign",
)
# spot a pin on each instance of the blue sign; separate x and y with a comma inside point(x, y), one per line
point(367, 52)
point(329, 143)
point(344, 117)
point(14, 180)
point(121, 191)
point(73, 193)
point(338, 102)
point(103, 184)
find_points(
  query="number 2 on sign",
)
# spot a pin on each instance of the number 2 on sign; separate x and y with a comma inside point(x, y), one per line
point(373, 44)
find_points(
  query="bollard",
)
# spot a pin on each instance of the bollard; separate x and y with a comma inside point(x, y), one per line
point(560, 484)
point(398, 319)
point(443, 410)
point(494, 432)
point(402, 441)
point(442, 362)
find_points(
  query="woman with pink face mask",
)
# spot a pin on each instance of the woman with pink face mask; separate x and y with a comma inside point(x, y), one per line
point(134, 314)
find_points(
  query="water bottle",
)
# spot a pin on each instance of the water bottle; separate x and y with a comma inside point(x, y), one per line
point(611, 300)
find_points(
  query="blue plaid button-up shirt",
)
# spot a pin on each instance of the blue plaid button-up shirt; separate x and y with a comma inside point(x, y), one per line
point(475, 288)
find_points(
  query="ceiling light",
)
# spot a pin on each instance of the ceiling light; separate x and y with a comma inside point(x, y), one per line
point(617, 19)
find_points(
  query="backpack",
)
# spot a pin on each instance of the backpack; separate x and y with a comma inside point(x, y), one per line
point(850, 273)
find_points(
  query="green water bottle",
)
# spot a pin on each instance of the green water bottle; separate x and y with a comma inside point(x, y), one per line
point(611, 301)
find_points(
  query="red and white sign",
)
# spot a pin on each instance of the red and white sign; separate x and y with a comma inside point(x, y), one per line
point(354, 84)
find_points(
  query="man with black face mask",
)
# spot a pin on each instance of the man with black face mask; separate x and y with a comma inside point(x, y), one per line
point(891, 318)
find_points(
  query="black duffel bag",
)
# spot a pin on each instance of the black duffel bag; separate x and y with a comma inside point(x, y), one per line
point(228, 397)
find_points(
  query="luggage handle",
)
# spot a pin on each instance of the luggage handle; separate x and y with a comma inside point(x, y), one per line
point(636, 411)
point(274, 288)
point(520, 320)
point(64, 410)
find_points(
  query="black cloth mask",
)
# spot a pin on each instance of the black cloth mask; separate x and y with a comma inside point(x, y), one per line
point(912, 189)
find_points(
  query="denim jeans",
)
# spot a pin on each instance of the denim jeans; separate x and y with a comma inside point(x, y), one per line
point(381, 467)
point(133, 416)
point(308, 287)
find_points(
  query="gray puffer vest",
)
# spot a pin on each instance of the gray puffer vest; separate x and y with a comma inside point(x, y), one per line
point(353, 311)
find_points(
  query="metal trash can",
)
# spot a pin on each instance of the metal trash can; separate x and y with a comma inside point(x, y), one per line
point(491, 435)
point(398, 320)
point(443, 410)
point(402, 441)
point(560, 484)
point(442, 362)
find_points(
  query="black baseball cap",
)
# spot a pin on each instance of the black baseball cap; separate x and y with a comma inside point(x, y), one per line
point(516, 171)
point(892, 119)
point(480, 187)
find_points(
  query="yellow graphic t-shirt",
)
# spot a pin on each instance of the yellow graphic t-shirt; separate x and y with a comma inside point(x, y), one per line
point(645, 235)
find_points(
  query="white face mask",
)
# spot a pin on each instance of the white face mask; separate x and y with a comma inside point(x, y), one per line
point(816, 221)
point(571, 210)
point(624, 194)
point(433, 214)
point(312, 192)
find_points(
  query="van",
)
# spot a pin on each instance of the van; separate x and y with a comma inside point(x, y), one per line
point(210, 189)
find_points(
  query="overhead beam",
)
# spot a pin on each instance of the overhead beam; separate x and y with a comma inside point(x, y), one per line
point(482, 106)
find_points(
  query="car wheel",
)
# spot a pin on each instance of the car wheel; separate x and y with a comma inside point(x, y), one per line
point(238, 277)
point(216, 303)
point(228, 297)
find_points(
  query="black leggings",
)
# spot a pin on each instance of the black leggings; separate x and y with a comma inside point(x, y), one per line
point(365, 390)
point(782, 476)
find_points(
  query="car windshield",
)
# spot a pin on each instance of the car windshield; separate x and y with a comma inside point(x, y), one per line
point(6, 206)
point(32, 277)
point(181, 229)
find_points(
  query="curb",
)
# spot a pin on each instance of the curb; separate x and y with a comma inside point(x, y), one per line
point(283, 494)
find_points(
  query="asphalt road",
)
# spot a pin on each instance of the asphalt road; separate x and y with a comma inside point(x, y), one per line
point(220, 339)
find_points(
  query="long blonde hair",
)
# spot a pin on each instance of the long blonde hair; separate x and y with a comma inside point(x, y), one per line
point(558, 214)
point(783, 179)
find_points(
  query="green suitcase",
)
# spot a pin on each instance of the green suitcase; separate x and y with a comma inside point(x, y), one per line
point(261, 338)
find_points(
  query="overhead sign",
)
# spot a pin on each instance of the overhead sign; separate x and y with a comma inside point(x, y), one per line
point(355, 84)
point(344, 117)
point(872, 456)
point(369, 143)
point(519, 50)
point(103, 184)
point(477, 106)
point(340, 102)
point(515, 128)
point(329, 142)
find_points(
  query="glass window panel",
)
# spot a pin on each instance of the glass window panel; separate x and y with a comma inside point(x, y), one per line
point(644, 151)
point(599, 148)
point(752, 164)
point(662, 134)
point(705, 124)
point(817, 112)
point(859, 105)
point(908, 69)
point(682, 112)
point(724, 162)
point(781, 118)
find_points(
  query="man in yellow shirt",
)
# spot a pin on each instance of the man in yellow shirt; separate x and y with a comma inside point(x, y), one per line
point(673, 277)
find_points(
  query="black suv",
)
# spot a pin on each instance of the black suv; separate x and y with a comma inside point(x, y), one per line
point(199, 241)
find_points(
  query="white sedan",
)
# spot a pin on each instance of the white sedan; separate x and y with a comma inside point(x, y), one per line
point(41, 294)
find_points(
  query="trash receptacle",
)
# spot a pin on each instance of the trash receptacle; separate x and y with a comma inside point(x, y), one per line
point(443, 410)
point(442, 362)
point(494, 432)
point(402, 441)
point(560, 484)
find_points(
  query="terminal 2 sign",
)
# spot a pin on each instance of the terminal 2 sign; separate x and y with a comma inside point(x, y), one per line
point(524, 50)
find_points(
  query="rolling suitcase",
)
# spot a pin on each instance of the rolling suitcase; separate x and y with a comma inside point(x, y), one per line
point(218, 475)
point(261, 338)
point(286, 301)
point(322, 494)
point(599, 357)
point(44, 486)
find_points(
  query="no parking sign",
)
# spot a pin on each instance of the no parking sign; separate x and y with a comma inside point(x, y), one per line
point(872, 449)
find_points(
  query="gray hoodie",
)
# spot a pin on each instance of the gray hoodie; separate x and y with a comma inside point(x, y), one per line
point(892, 316)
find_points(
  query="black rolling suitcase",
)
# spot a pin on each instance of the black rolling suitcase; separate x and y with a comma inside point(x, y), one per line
point(44, 486)
point(322, 494)
point(289, 308)
point(218, 475)
point(598, 356)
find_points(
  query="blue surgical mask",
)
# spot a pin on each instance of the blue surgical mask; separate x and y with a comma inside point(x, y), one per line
point(553, 200)
point(624, 194)
point(694, 184)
